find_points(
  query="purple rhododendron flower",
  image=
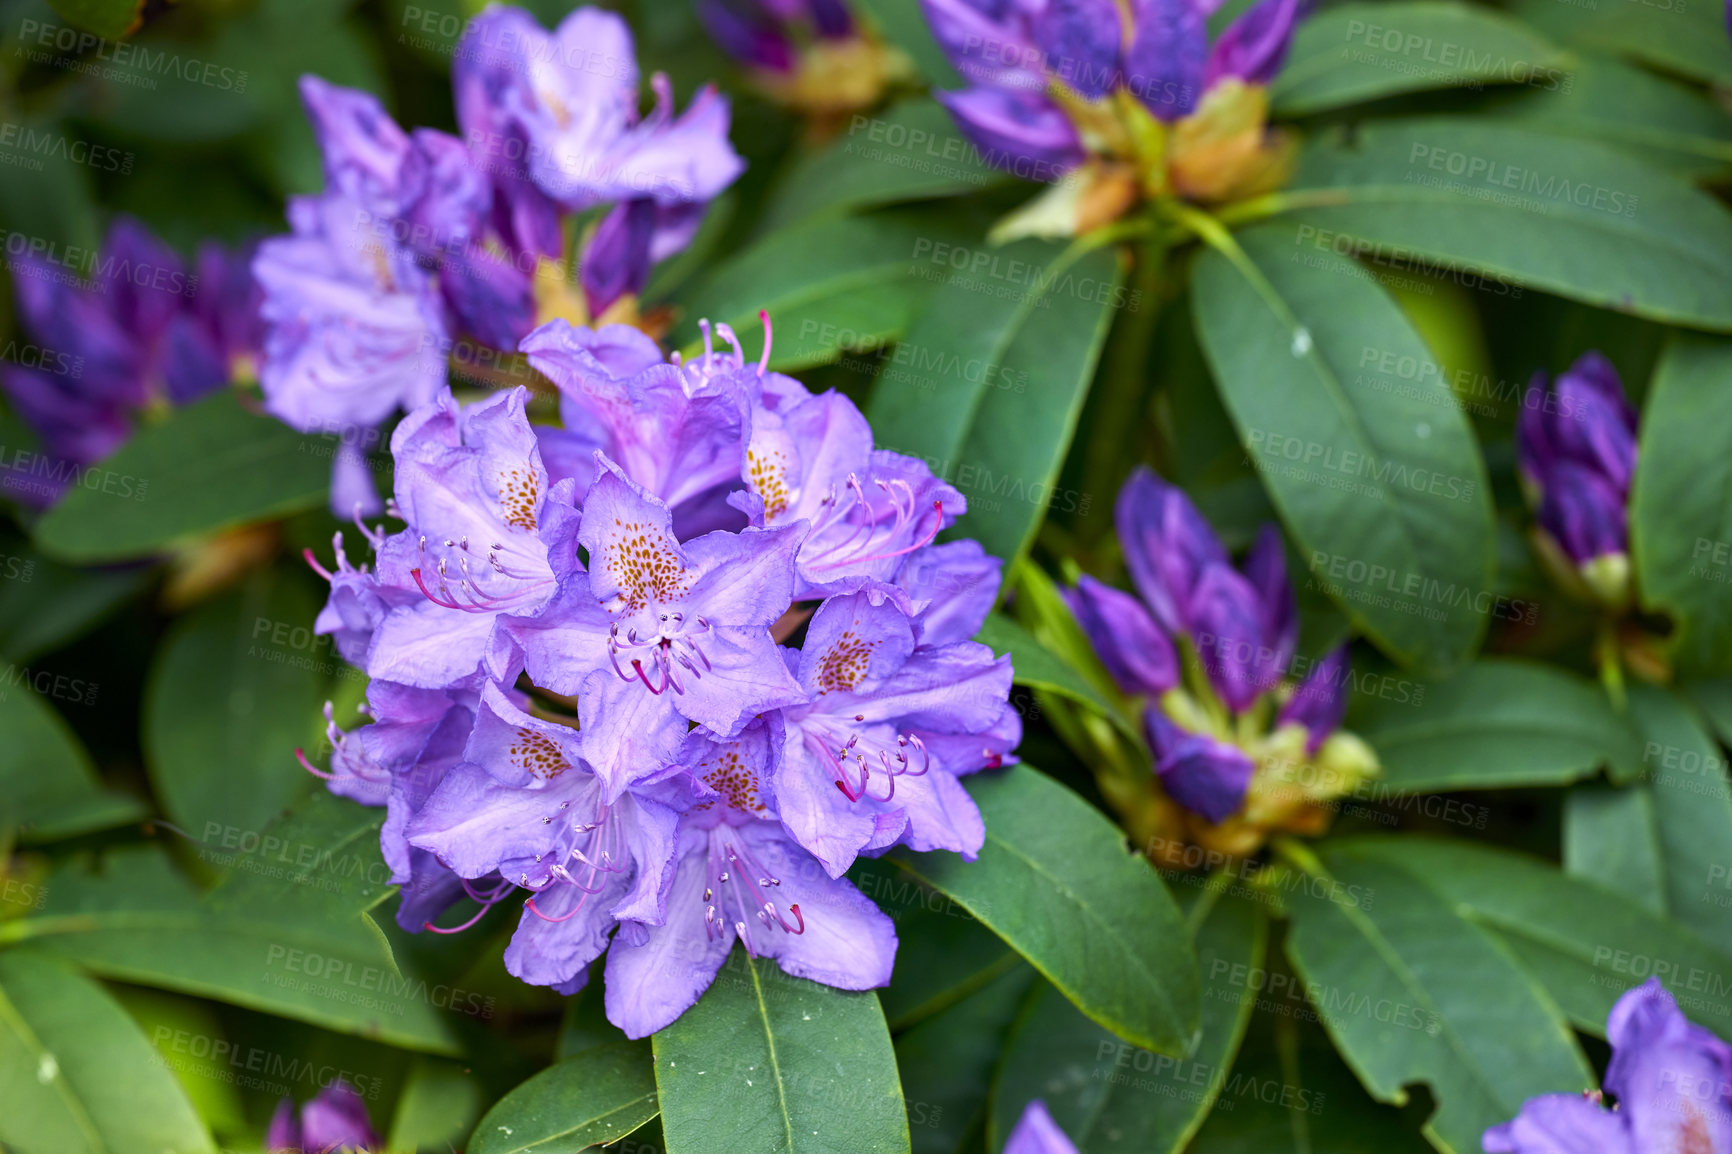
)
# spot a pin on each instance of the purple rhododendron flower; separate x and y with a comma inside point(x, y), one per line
point(741, 875)
point(660, 632)
point(141, 330)
point(335, 1119)
point(1037, 1133)
point(858, 772)
point(1576, 446)
point(1672, 1081)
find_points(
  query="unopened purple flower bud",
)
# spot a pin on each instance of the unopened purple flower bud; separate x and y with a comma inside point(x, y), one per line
point(1265, 567)
point(1206, 776)
point(1022, 132)
point(1037, 1133)
point(1167, 546)
point(1082, 40)
point(1226, 620)
point(746, 35)
point(336, 1119)
point(1584, 513)
point(1254, 46)
point(1125, 637)
point(617, 261)
point(1585, 419)
point(1321, 699)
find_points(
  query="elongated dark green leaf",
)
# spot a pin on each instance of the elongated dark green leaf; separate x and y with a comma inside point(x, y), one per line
point(77, 1076)
point(1681, 501)
point(1610, 840)
point(1108, 1096)
point(48, 788)
point(1412, 991)
point(1499, 722)
point(1360, 444)
point(133, 918)
point(439, 1105)
point(233, 692)
point(943, 955)
point(1290, 1094)
point(1676, 36)
point(1055, 880)
point(1586, 944)
point(1037, 666)
point(946, 1063)
point(910, 151)
point(48, 604)
point(1356, 52)
point(769, 1062)
point(207, 467)
point(830, 285)
point(1714, 698)
point(1525, 209)
point(989, 382)
point(1660, 118)
point(598, 1096)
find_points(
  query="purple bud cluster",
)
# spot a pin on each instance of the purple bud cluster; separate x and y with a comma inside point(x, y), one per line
point(1576, 448)
point(581, 694)
point(1239, 624)
point(421, 239)
point(129, 327)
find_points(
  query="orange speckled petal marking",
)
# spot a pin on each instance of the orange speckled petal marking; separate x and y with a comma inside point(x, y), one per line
point(538, 753)
point(845, 664)
point(519, 495)
point(767, 469)
point(732, 776)
point(643, 563)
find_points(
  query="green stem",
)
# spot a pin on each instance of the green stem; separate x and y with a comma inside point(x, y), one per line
point(1610, 662)
point(1276, 203)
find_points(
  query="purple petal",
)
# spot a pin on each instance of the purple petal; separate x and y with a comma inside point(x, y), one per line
point(1082, 39)
point(847, 941)
point(989, 43)
point(1167, 545)
point(548, 952)
point(1206, 776)
point(1129, 643)
point(617, 259)
point(353, 491)
point(629, 733)
point(652, 983)
point(1672, 1079)
point(1563, 1124)
point(816, 813)
point(1227, 629)
point(1254, 46)
point(1584, 512)
point(1594, 425)
point(853, 645)
point(337, 1117)
point(362, 146)
point(1321, 699)
point(1265, 567)
point(1037, 1133)
point(753, 42)
point(490, 296)
point(683, 160)
point(1022, 133)
point(284, 1132)
point(1165, 60)
point(959, 582)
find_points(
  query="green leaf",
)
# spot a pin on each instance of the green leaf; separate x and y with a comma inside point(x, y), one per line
point(946, 1061)
point(775, 1063)
point(599, 1096)
point(1714, 699)
point(1112, 1097)
point(1343, 411)
point(48, 604)
point(131, 917)
point(989, 381)
point(1677, 36)
point(1609, 839)
point(1056, 882)
point(910, 151)
point(1681, 502)
point(1500, 722)
point(232, 693)
point(77, 1075)
point(48, 787)
point(1037, 666)
point(1358, 52)
point(903, 24)
point(438, 1106)
point(943, 956)
point(1586, 944)
point(207, 467)
point(110, 18)
point(1290, 1094)
point(1660, 118)
point(1516, 209)
point(830, 285)
point(1413, 991)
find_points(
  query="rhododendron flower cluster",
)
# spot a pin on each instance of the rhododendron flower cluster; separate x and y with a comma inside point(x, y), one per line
point(583, 697)
point(423, 244)
point(1239, 749)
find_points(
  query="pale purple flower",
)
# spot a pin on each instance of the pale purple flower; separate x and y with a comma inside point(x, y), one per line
point(740, 876)
point(525, 812)
point(661, 632)
point(860, 771)
point(335, 1119)
point(1204, 774)
point(1672, 1081)
point(486, 535)
point(1037, 1133)
point(952, 588)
